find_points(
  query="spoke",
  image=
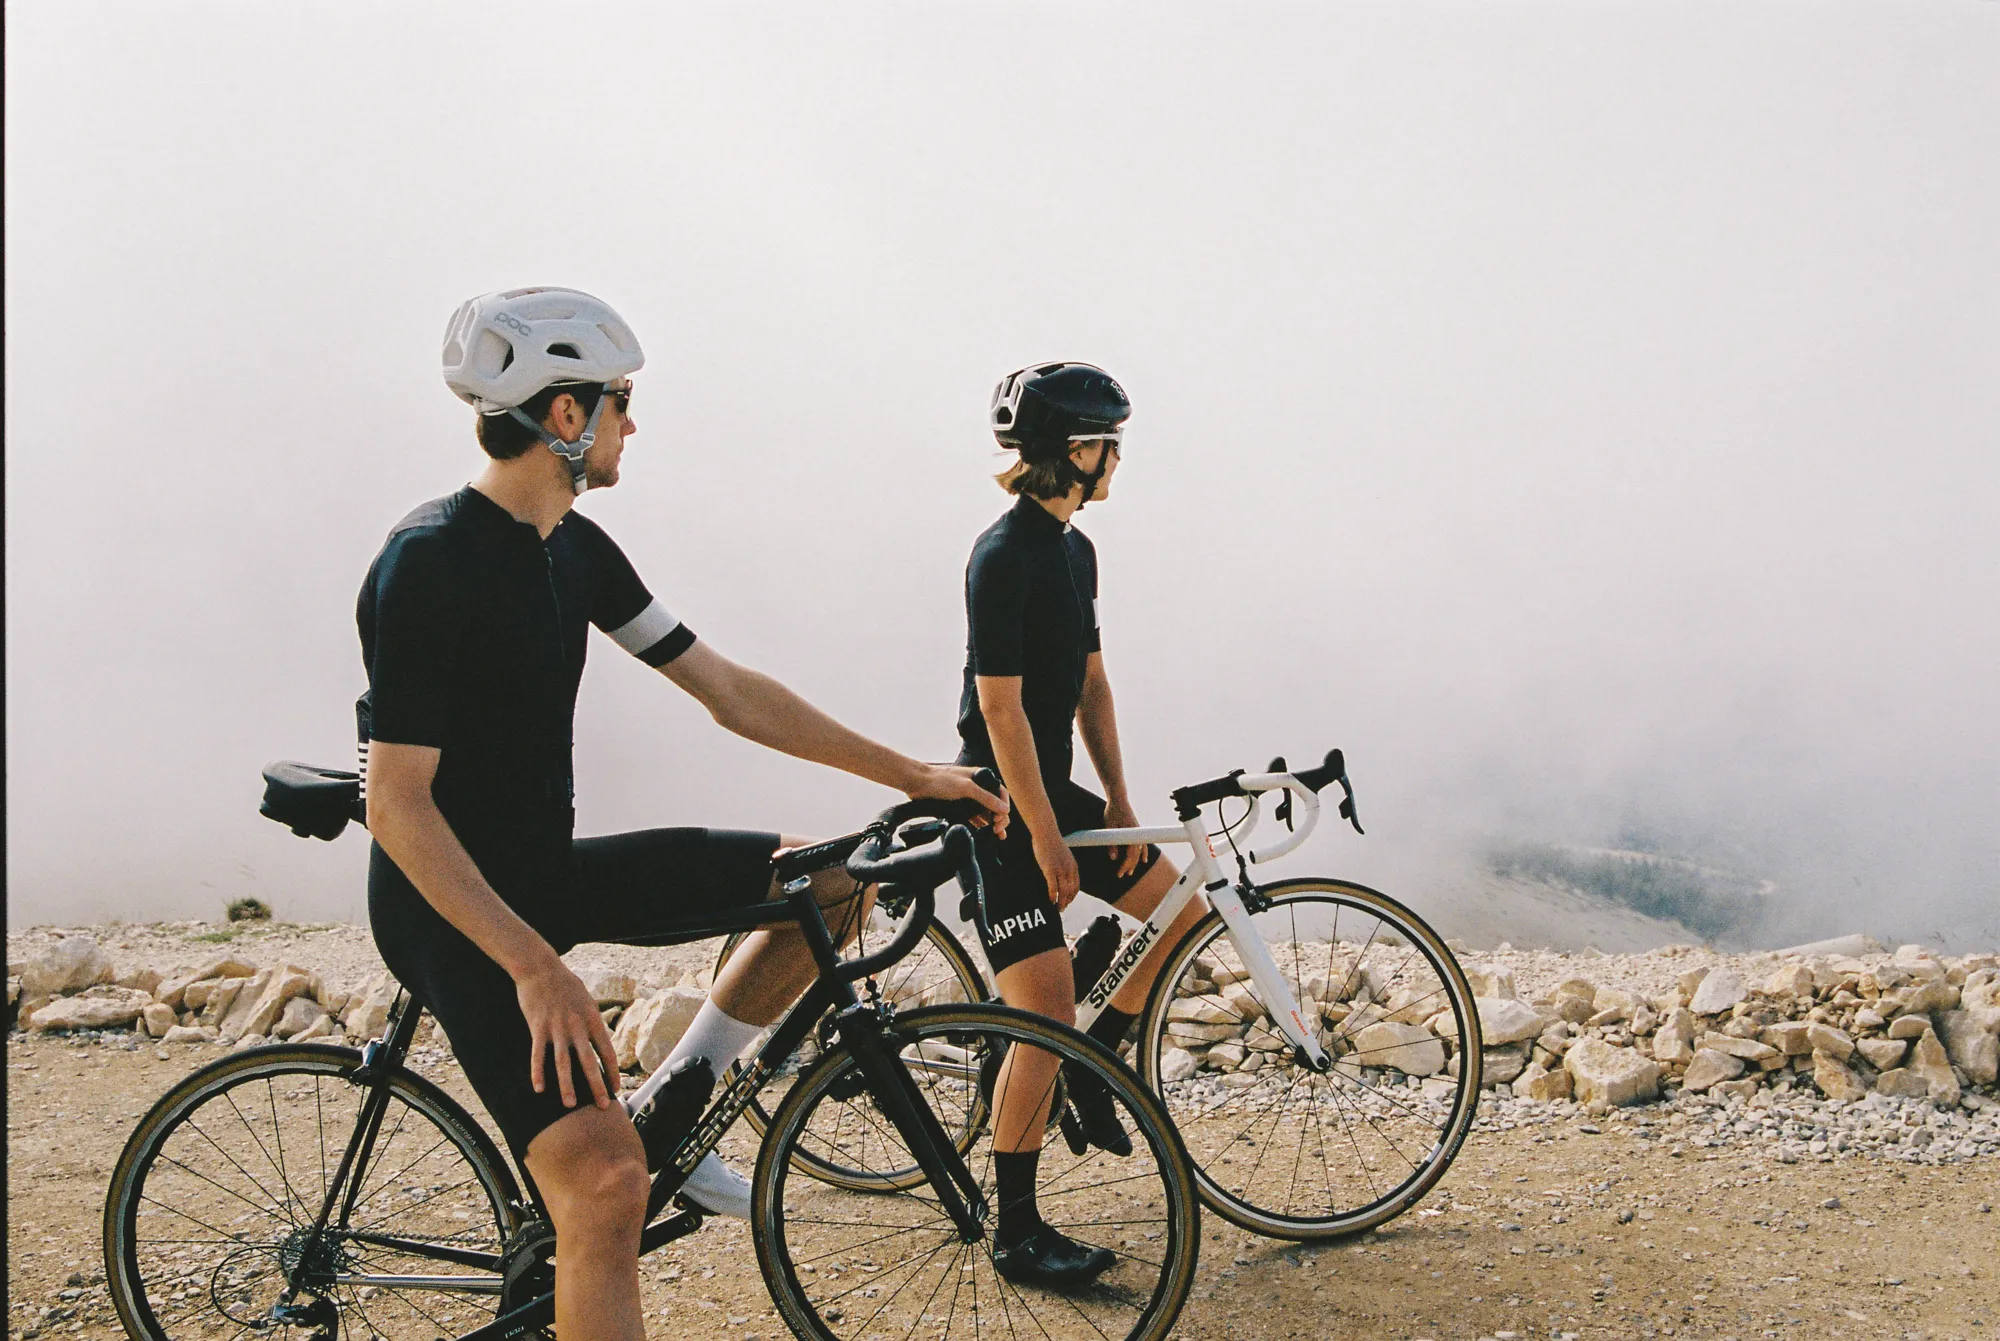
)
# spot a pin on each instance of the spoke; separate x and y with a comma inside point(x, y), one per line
point(278, 1213)
point(230, 1191)
point(230, 1098)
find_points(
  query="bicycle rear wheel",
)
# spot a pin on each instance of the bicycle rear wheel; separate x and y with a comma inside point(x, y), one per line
point(1278, 1148)
point(937, 972)
point(210, 1210)
point(842, 1265)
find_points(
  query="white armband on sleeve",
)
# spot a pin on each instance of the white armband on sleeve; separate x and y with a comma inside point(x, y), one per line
point(645, 631)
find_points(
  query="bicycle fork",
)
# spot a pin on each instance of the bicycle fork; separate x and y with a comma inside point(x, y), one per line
point(890, 1082)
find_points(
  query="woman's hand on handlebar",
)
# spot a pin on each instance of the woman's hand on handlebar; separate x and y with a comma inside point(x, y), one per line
point(955, 782)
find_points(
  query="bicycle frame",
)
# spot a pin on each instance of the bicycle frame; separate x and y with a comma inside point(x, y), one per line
point(1205, 873)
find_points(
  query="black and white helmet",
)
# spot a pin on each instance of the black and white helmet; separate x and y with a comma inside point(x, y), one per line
point(1043, 408)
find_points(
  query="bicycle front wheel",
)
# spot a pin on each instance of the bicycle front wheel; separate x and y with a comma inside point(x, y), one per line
point(842, 1265)
point(1283, 1150)
point(936, 972)
point(209, 1219)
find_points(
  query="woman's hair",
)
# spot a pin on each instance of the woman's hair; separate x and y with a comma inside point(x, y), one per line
point(1038, 479)
point(504, 437)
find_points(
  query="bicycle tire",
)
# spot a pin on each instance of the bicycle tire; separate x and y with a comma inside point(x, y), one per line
point(174, 1167)
point(907, 980)
point(1383, 1117)
point(803, 1231)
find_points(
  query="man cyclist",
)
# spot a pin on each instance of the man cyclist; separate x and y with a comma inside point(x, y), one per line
point(473, 624)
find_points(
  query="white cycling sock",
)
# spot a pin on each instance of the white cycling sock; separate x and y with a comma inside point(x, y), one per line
point(713, 1034)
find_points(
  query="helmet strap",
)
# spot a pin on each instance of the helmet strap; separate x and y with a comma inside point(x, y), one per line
point(1090, 481)
point(572, 453)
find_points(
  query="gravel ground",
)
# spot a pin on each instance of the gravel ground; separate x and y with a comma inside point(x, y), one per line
point(1771, 1215)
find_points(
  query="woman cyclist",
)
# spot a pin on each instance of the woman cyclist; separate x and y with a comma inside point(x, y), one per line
point(1033, 668)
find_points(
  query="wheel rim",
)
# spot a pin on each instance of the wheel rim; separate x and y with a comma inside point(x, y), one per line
point(215, 1199)
point(1278, 1147)
point(937, 972)
point(842, 1265)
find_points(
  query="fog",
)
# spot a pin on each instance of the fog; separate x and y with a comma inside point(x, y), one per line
point(1584, 415)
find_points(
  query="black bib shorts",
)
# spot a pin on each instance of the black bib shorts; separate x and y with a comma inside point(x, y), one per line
point(620, 887)
point(1021, 919)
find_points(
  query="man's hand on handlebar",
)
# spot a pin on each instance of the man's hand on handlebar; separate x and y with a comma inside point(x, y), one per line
point(956, 782)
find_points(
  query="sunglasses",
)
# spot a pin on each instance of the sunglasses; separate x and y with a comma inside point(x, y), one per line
point(621, 399)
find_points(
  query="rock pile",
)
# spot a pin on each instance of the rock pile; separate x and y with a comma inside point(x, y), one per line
point(1839, 1020)
point(1843, 1025)
point(74, 986)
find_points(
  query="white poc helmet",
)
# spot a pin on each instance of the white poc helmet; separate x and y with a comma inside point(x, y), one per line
point(502, 348)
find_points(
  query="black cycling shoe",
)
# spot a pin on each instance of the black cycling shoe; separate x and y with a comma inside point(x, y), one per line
point(1091, 1118)
point(1049, 1257)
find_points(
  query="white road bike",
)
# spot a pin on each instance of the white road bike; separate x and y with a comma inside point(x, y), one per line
point(1313, 1039)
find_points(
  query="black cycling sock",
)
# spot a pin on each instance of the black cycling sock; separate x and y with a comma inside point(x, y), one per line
point(1014, 1187)
point(1111, 1026)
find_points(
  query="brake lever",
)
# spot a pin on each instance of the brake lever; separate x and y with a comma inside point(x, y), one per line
point(973, 883)
point(1284, 806)
point(1347, 805)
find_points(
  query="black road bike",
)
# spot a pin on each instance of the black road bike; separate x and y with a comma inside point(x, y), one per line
point(315, 1191)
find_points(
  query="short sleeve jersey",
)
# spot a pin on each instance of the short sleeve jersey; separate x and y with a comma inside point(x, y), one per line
point(1031, 611)
point(473, 631)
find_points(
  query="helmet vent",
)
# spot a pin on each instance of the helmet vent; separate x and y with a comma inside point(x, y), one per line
point(1003, 416)
point(1048, 368)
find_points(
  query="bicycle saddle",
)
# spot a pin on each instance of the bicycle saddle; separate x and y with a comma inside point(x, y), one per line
point(312, 802)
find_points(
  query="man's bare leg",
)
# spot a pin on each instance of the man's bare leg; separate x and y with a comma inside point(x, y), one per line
point(774, 965)
point(591, 1170)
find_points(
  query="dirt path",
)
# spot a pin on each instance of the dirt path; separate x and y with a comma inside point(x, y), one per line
point(1536, 1233)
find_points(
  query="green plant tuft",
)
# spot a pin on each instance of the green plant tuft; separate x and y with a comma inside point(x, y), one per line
point(249, 910)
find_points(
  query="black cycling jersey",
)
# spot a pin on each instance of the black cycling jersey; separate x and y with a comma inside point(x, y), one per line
point(472, 630)
point(1031, 611)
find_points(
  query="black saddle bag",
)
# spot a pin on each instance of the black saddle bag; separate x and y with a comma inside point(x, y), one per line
point(312, 802)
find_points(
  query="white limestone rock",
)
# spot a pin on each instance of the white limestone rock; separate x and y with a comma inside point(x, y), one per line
point(1602, 1073)
point(652, 1025)
point(1491, 980)
point(97, 1008)
point(1883, 1053)
point(1673, 1042)
point(1834, 1078)
point(1708, 1067)
point(608, 988)
point(1718, 990)
point(300, 1014)
point(1409, 1048)
point(70, 965)
point(1507, 1020)
point(1972, 1041)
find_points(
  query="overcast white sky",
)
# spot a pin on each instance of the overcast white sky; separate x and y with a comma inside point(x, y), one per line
point(1585, 414)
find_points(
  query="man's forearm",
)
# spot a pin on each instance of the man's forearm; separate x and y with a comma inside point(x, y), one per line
point(418, 839)
point(761, 709)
